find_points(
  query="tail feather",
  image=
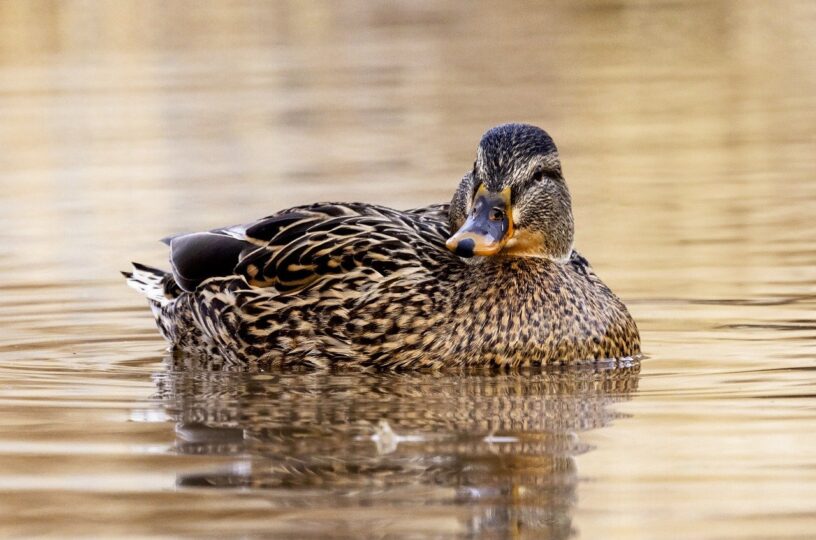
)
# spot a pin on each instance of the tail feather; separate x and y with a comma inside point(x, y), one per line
point(154, 283)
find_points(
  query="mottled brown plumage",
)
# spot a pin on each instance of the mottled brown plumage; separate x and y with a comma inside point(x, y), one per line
point(361, 284)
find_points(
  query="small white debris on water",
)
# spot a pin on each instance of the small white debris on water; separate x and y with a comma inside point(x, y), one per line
point(387, 439)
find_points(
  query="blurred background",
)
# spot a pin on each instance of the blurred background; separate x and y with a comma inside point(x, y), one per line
point(687, 132)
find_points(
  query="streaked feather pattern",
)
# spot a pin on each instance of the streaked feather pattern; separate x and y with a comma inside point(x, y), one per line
point(337, 283)
point(367, 285)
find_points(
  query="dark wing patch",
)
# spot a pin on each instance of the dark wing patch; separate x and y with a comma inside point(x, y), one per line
point(199, 256)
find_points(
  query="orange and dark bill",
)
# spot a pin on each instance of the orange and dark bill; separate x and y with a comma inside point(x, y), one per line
point(488, 227)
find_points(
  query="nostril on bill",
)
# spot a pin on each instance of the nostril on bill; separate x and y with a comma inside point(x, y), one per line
point(465, 247)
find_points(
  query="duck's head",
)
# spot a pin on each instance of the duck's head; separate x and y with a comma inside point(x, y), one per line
point(515, 201)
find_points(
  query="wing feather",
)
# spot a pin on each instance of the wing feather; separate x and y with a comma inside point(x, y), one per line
point(295, 248)
point(300, 246)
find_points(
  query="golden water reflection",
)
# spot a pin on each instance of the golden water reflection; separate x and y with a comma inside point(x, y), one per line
point(494, 451)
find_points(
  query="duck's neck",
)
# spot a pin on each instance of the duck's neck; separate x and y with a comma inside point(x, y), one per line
point(511, 279)
point(515, 265)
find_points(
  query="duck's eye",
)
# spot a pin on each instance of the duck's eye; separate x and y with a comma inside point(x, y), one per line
point(538, 175)
point(495, 214)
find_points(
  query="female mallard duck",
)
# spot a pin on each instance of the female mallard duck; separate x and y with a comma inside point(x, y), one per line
point(367, 285)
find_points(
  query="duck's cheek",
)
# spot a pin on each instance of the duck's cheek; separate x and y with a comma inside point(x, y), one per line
point(525, 243)
point(516, 215)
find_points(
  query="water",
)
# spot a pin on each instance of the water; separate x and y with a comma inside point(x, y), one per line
point(687, 133)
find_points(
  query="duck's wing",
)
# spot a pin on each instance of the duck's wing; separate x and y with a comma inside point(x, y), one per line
point(196, 257)
point(434, 213)
point(298, 247)
point(295, 248)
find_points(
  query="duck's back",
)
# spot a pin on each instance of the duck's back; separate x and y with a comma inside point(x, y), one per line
point(283, 288)
point(293, 248)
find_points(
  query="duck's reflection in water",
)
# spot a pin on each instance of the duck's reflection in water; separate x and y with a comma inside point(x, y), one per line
point(493, 450)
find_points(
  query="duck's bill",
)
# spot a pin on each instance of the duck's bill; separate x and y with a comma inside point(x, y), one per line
point(487, 228)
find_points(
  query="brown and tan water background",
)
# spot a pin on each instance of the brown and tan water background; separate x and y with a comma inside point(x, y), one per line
point(687, 132)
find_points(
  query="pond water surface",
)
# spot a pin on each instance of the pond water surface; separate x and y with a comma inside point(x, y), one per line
point(687, 132)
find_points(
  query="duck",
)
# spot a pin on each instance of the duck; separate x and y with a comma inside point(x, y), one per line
point(491, 279)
